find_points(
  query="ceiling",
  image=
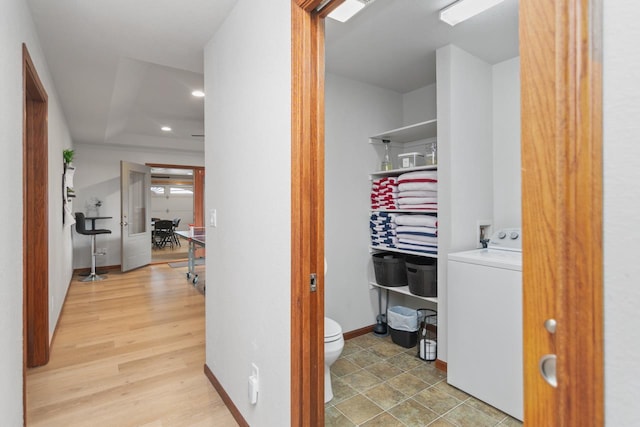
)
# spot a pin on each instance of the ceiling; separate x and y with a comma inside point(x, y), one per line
point(122, 68)
point(392, 43)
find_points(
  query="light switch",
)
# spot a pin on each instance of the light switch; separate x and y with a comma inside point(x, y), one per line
point(213, 218)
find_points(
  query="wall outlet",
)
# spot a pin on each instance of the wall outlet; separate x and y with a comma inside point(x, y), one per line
point(254, 384)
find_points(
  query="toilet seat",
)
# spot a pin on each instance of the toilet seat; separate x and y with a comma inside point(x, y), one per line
point(332, 330)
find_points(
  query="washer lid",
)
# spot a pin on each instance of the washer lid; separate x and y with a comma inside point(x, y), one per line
point(331, 328)
point(490, 257)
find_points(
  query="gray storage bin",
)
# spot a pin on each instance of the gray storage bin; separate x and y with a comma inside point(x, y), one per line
point(422, 276)
point(389, 269)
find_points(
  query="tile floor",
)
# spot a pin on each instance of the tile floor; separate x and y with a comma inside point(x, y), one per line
point(378, 383)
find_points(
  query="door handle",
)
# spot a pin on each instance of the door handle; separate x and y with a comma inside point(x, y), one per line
point(550, 325)
point(124, 223)
point(547, 367)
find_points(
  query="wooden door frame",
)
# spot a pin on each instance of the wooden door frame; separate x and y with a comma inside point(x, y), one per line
point(35, 253)
point(561, 71)
point(35, 220)
point(307, 211)
point(561, 80)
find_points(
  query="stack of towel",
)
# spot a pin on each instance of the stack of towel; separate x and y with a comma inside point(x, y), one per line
point(417, 233)
point(384, 193)
point(418, 190)
point(383, 229)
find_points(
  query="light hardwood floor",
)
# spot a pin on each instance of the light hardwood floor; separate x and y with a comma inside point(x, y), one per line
point(129, 351)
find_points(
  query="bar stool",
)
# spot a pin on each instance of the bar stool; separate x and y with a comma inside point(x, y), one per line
point(82, 229)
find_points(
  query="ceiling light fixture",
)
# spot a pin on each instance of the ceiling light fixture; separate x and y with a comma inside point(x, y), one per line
point(198, 93)
point(462, 10)
point(347, 10)
point(165, 129)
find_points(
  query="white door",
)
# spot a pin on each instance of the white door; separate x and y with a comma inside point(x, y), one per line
point(135, 219)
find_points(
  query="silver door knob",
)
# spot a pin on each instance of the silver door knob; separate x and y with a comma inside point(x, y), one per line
point(124, 223)
point(550, 325)
point(547, 367)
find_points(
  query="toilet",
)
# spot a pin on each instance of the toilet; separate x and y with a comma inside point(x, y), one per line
point(333, 345)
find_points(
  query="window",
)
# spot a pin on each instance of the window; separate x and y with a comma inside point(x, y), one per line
point(157, 191)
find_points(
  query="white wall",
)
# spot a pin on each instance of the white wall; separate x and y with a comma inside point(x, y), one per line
point(419, 105)
point(621, 206)
point(507, 195)
point(98, 175)
point(16, 27)
point(354, 111)
point(248, 181)
point(465, 160)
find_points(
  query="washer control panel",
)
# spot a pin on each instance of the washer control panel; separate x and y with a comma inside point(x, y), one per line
point(507, 239)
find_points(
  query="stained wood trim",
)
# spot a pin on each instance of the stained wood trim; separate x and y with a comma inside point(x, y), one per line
point(358, 332)
point(330, 7)
point(307, 217)
point(164, 165)
point(198, 196)
point(307, 5)
point(225, 397)
point(35, 216)
point(442, 365)
point(561, 105)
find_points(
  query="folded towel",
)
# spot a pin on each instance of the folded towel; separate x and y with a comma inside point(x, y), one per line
point(383, 227)
point(380, 246)
point(425, 207)
point(424, 193)
point(417, 220)
point(419, 175)
point(417, 200)
point(418, 248)
point(383, 234)
point(418, 186)
point(391, 241)
point(425, 231)
point(380, 220)
point(418, 240)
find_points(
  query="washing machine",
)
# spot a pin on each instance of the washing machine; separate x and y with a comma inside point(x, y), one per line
point(484, 303)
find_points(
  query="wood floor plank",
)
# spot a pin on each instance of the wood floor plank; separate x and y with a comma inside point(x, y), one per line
point(129, 351)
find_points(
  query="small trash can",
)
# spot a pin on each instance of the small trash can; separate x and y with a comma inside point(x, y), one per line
point(403, 325)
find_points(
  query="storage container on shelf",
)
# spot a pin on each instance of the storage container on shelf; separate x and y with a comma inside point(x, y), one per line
point(411, 160)
point(422, 276)
point(389, 269)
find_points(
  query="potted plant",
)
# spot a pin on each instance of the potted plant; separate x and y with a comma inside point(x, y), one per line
point(67, 155)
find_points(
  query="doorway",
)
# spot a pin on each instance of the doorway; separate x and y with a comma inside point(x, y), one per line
point(36, 223)
point(177, 194)
point(572, 46)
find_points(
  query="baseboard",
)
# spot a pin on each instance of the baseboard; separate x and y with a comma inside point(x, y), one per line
point(64, 303)
point(358, 332)
point(225, 397)
point(441, 365)
point(101, 267)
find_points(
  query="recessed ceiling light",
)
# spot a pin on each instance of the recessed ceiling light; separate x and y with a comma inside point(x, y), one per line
point(165, 128)
point(464, 9)
point(347, 10)
point(198, 93)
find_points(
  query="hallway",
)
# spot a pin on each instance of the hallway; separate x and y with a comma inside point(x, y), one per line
point(128, 351)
